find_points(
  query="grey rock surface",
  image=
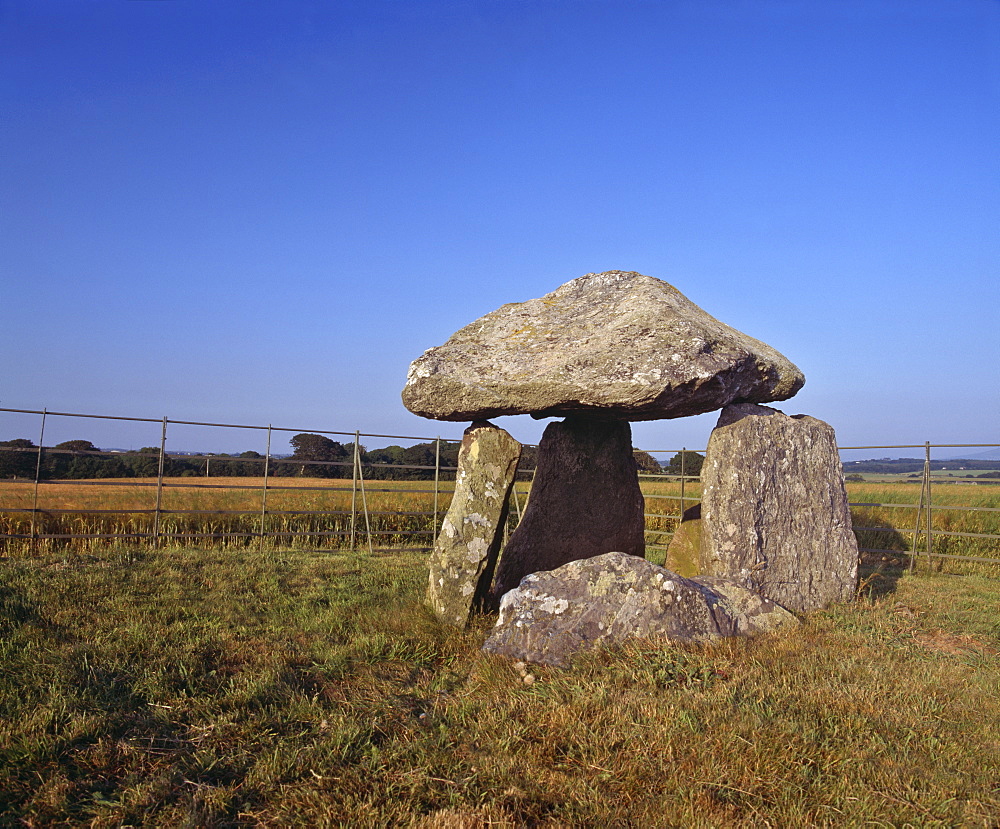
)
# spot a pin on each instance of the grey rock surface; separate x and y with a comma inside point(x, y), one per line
point(774, 509)
point(466, 549)
point(617, 344)
point(615, 597)
point(585, 500)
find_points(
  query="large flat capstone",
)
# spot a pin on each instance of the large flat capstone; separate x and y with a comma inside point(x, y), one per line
point(618, 345)
point(774, 509)
point(466, 549)
point(612, 598)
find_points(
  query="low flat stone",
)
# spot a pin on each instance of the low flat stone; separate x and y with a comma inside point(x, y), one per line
point(774, 509)
point(585, 500)
point(466, 549)
point(611, 598)
point(618, 345)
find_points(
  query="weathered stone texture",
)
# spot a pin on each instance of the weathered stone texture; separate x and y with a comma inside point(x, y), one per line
point(617, 345)
point(774, 510)
point(465, 552)
point(585, 500)
point(615, 597)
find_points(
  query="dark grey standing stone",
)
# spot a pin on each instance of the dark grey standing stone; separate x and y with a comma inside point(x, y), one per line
point(614, 597)
point(615, 345)
point(585, 500)
point(774, 509)
point(465, 552)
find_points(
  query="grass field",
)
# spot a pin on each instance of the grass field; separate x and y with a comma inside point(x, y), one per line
point(943, 476)
point(402, 512)
point(892, 527)
point(231, 507)
point(887, 528)
point(184, 687)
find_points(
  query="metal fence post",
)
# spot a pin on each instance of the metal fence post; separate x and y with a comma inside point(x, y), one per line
point(916, 523)
point(437, 478)
point(159, 485)
point(263, 498)
point(38, 476)
point(683, 455)
point(927, 513)
point(361, 481)
point(354, 498)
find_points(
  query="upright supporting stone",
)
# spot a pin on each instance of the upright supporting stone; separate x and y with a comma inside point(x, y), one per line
point(774, 509)
point(465, 552)
point(584, 501)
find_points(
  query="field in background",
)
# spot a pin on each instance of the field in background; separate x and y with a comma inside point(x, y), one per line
point(325, 509)
point(279, 688)
point(332, 511)
point(939, 476)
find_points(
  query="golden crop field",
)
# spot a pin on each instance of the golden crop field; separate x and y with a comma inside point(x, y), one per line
point(398, 512)
point(322, 511)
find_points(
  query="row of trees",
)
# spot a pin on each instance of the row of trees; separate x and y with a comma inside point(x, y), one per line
point(314, 456)
point(78, 459)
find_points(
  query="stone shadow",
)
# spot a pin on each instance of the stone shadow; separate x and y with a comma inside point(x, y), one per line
point(884, 557)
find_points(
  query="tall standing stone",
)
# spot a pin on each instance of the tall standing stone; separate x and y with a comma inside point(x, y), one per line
point(774, 508)
point(585, 501)
point(466, 549)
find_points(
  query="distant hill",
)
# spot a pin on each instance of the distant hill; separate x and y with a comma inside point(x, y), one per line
point(988, 455)
point(888, 466)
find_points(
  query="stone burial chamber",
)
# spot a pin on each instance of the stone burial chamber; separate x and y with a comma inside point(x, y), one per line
point(601, 351)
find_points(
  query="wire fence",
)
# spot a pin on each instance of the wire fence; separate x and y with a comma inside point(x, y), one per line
point(354, 502)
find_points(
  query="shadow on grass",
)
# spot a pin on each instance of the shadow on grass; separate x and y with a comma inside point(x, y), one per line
point(878, 574)
point(886, 555)
point(15, 609)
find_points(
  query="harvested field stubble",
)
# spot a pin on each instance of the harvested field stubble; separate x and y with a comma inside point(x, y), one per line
point(319, 512)
point(313, 511)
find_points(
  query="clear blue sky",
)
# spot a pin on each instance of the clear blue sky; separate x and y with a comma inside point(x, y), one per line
point(260, 212)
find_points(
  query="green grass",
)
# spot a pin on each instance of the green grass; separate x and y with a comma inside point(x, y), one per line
point(937, 475)
point(213, 688)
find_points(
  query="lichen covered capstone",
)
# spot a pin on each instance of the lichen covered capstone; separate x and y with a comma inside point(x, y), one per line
point(616, 345)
